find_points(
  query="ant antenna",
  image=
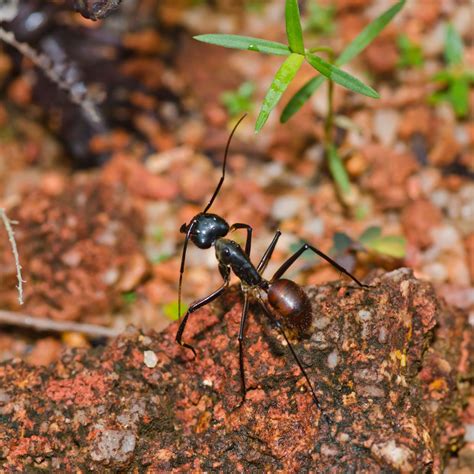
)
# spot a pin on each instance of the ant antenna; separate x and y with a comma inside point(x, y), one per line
point(216, 192)
point(181, 269)
point(191, 225)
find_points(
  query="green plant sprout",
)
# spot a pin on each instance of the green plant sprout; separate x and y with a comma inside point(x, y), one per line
point(239, 101)
point(456, 78)
point(320, 18)
point(170, 310)
point(411, 54)
point(296, 53)
point(371, 239)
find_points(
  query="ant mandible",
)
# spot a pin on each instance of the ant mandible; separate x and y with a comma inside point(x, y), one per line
point(283, 297)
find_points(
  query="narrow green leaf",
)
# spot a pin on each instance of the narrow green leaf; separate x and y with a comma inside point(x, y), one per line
point(338, 172)
point(300, 98)
point(340, 77)
point(370, 234)
point(391, 245)
point(459, 96)
point(365, 37)
point(341, 242)
point(294, 32)
point(453, 47)
point(442, 76)
point(246, 43)
point(280, 82)
point(368, 34)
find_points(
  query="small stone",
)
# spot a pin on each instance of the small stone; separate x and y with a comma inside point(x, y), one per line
point(333, 358)
point(150, 359)
point(285, 207)
point(114, 445)
point(385, 124)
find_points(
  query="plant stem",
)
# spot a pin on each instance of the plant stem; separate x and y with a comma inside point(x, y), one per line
point(336, 167)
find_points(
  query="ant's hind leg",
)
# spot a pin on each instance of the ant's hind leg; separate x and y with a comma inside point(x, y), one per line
point(245, 310)
point(198, 304)
point(286, 265)
point(277, 324)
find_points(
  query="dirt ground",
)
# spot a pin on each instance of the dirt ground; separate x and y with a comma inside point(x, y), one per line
point(99, 196)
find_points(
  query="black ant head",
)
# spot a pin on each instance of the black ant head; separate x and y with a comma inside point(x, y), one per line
point(206, 229)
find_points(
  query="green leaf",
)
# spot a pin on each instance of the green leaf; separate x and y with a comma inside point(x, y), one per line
point(411, 54)
point(391, 245)
point(280, 82)
point(453, 47)
point(340, 77)
point(341, 242)
point(293, 27)
point(300, 98)
point(459, 96)
point(246, 43)
point(365, 37)
point(368, 34)
point(320, 18)
point(442, 76)
point(129, 297)
point(370, 234)
point(239, 101)
point(170, 310)
point(338, 171)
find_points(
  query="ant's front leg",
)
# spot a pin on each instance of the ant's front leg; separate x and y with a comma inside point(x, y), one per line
point(199, 304)
point(248, 241)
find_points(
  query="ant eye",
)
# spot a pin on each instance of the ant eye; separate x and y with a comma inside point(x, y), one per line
point(226, 252)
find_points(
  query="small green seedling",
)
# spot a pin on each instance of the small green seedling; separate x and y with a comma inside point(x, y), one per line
point(239, 101)
point(129, 297)
point(320, 18)
point(170, 310)
point(456, 79)
point(411, 54)
point(295, 54)
point(370, 240)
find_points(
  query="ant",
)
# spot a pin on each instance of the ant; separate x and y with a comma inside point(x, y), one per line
point(284, 297)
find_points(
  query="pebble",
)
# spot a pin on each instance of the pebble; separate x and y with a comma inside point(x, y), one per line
point(333, 358)
point(286, 207)
point(385, 125)
point(314, 227)
point(114, 445)
point(150, 359)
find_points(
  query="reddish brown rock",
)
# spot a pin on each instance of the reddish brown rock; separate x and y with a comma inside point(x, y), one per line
point(79, 249)
point(385, 363)
point(388, 178)
point(418, 218)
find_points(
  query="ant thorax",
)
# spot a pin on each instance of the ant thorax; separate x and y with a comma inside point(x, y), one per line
point(231, 254)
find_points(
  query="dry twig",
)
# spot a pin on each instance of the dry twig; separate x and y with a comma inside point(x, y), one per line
point(11, 237)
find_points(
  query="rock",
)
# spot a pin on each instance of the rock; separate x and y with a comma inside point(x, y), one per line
point(418, 218)
point(385, 363)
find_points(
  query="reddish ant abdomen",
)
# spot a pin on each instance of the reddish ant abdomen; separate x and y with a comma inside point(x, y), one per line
point(291, 302)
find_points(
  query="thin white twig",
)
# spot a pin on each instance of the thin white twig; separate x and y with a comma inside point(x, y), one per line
point(11, 237)
point(44, 324)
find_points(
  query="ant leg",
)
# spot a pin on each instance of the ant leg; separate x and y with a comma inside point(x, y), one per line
point(194, 307)
point(243, 319)
point(300, 365)
point(284, 267)
point(268, 253)
point(249, 230)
